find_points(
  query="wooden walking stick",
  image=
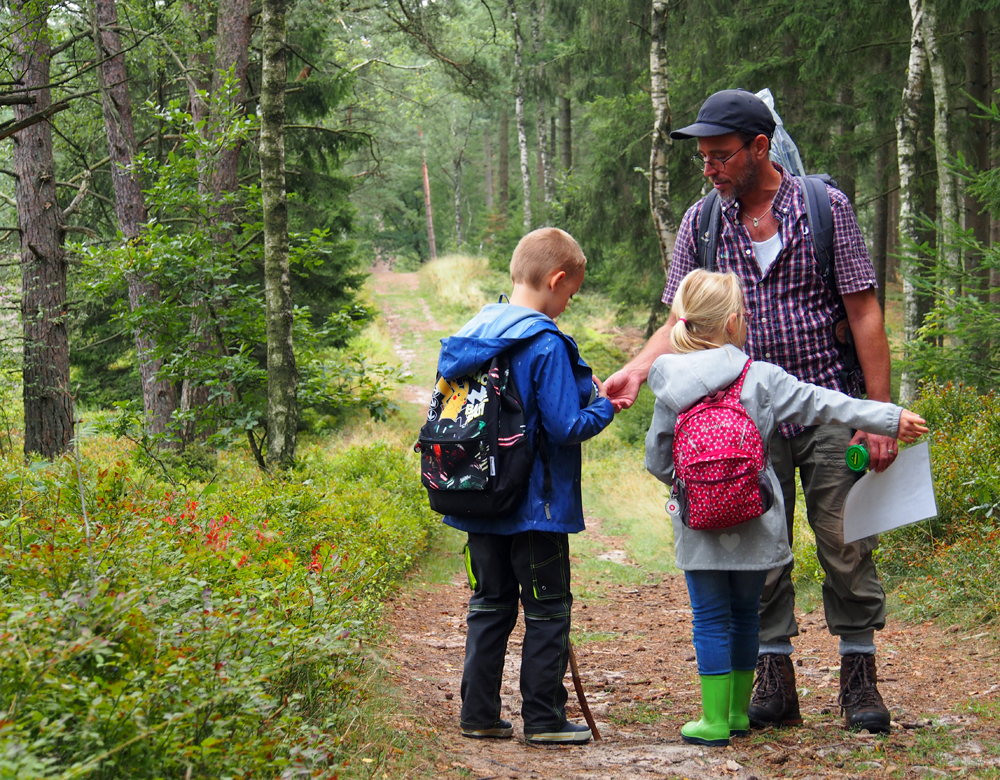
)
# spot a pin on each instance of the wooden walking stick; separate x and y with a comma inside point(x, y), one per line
point(580, 695)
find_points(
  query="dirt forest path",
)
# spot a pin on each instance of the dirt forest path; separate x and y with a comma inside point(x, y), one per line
point(633, 643)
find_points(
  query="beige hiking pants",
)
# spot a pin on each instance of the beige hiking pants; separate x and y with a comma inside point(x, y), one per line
point(852, 593)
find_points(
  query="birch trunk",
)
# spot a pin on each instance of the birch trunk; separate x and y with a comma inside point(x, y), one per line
point(907, 139)
point(159, 396)
point(659, 174)
point(282, 377)
point(48, 408)
point(944, 146)
point(522, 136)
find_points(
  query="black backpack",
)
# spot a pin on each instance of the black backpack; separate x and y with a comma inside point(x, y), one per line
point(475, 455)
point(819, 215)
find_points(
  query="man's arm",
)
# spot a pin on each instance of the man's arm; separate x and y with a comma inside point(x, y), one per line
point(872, 345)
point(623, 385)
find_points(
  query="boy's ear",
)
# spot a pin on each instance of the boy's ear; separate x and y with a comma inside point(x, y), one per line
point(554, 280)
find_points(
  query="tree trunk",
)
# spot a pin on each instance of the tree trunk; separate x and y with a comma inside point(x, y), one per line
point(565, 122)
point(457, 182)
point(659, 173)
point(197, 76)
point(282, 377)
point(522, 136)
point(536, 13)
point(907, 135)
point(427, 202)
point(947, 185)
point(995, 219)
point(847, 168)
point(880, 228)
point(503, 162)
point(48, 408)
point(488, 168)
point(977, 147)
point(232, 53)
point(158, 395)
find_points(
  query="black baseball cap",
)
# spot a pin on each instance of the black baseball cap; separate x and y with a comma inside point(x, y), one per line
point(730, 111)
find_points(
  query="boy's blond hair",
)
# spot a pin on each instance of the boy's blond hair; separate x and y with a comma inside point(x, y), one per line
point(703, 304)
point(543, 252)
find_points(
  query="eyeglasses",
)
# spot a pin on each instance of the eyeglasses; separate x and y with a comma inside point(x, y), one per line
point(716, 163)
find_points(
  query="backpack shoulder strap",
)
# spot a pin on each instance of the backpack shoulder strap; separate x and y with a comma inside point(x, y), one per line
point(819, 214)
point(734, 390)
point(707, 237)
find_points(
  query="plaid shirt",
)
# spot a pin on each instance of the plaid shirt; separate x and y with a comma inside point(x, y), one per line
point(792, 312)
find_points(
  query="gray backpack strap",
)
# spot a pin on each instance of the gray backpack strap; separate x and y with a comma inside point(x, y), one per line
point(708, 228)
point(819, 214)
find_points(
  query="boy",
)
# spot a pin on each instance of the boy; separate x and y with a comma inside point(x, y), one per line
point(526, 554)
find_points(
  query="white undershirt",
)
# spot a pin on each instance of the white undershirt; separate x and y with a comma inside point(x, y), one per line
point(767, 252)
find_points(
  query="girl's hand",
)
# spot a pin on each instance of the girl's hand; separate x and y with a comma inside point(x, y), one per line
point(911, 426)
point(601, 392)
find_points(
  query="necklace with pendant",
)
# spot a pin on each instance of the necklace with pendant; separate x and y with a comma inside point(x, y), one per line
point(756, 220)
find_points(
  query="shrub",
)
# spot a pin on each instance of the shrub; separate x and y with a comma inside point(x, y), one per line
point(945, 566)
point(211, 635)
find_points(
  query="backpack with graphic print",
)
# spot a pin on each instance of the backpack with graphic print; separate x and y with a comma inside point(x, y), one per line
point(475, 457)
point(719, 463)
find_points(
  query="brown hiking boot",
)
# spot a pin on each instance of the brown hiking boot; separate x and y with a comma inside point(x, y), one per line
point(775, 701)
point(860, 701)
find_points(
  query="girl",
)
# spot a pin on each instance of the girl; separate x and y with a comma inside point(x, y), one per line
point(725, 570)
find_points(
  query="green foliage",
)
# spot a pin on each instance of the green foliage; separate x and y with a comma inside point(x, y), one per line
point(211, 636)
point(945, 565)
point(208, 325)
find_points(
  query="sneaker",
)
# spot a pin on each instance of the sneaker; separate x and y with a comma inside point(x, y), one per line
point(502, 729)
point(775, 701)
point(860, 701)
point(567, 734)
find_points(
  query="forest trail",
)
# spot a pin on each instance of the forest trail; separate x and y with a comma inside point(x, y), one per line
point(633, 643)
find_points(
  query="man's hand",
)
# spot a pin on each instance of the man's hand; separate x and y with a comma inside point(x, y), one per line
point(623, 385)
point(882, 450)
point(622, 388)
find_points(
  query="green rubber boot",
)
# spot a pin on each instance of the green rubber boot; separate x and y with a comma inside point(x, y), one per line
point(713, 728)
point(740, 689)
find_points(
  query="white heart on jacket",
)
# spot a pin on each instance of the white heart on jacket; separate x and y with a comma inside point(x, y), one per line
point(729, 541)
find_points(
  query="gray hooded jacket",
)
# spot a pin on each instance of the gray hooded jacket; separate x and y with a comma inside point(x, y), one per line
point(771, 396)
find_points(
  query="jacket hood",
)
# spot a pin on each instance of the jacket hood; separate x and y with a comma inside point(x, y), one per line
point(679, 381)
point(496, 328)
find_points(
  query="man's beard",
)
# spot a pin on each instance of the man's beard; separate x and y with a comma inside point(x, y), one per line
point(747, 182)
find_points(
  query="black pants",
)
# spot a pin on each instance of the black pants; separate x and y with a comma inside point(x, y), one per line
point(532, 566)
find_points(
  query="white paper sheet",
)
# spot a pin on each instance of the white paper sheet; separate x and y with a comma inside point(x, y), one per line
point(901, 495)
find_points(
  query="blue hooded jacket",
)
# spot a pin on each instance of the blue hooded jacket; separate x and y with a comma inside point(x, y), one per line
point(555, 386)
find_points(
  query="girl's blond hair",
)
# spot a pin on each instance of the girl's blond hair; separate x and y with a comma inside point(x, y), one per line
point(703, 304)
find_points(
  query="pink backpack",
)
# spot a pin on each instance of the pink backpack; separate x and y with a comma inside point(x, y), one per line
point(719, 463)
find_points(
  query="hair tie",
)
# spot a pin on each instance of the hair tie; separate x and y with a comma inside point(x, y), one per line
point(681, 319)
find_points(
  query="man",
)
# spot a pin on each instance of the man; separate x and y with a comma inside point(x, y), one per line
point(764, 238)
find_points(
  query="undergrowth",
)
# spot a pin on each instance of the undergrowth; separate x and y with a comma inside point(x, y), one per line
point(221, 631)
point(944, 567)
